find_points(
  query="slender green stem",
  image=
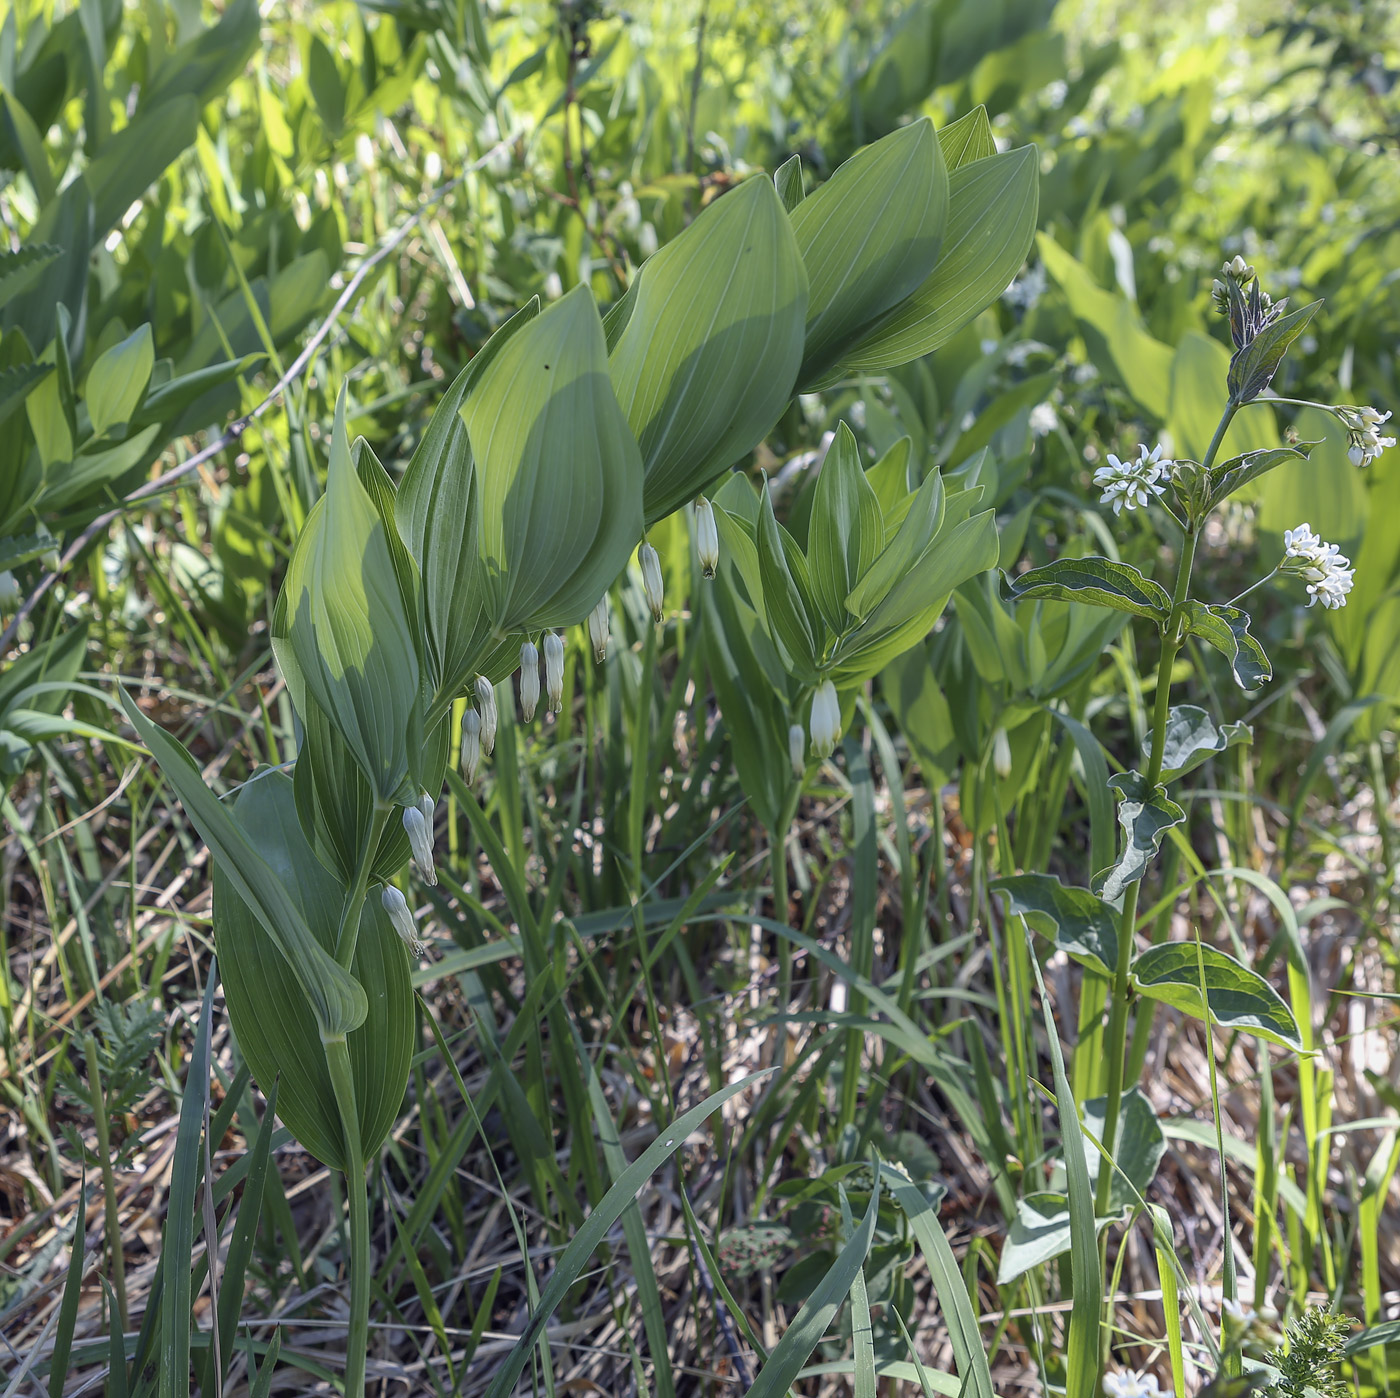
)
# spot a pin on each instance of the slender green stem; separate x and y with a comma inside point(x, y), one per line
point(1253, 587)
point(357, 1341)
point(1118, 998)
point(113, 1227)
point(355, 897)
point(778, 864)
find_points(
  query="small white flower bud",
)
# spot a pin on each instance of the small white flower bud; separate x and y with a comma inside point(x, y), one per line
point(420, 840)
point(797, 750)
point(1001, 754)
point(471, 745)
point(401, 916)
point(651, 581)
point(826, 720)
point(598, 629)
point(706, 537)
point(486, 706)
point(529, 680)
point(554, 670)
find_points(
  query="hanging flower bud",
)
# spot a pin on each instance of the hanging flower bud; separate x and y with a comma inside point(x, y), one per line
point(401, 916)
point(554, 670)
point(529, 680)
point(10, 594)
point(797, 750)
point(826, 720)
point(598, 629)
point(486, 706)
point(1001, 754)
point(471, 745)
point(419, 828)
point(651, 581)
point(706, 537)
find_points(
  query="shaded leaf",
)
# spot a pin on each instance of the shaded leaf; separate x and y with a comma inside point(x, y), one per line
point(1145, 815)
point(1227, 629)
point(1099, 582)
point(1192, 737)
point(1252, 368)
point(1081, 925)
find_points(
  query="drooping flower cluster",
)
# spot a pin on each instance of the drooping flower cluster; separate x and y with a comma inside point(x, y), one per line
point(1128, 484)
point(1326, 570)
point(1364, 440)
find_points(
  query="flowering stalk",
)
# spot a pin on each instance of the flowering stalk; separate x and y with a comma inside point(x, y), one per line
point(1172, 639)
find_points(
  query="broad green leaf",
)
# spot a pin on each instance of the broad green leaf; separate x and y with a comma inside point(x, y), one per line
point(1099, 582)
point(272, 1019)
point(30, 143)
point(15, 384)
point(1192, 737)
point(349, 629)
point(908, 612)
point(1114, 331)
point(166, 400)
point(967, 139)
point(608, 1210)
point(890, 479)
point(869, 237)
point(922, 521)
point(49, 423)
point(1240, 999)
point(1252, 369)
point(810, 1324)
point(437, 515)
point(132, 160)
point(558, 470)
point(1145, 815)
point(337, 1001)
point(117, 380)
point(1227, 629)
point(90, 470)
point(846, 532)
point(1138, 1149)
point(992, 209)
point(1081, 925)
point(21, 268)
point(786, 590)
point(788, 181)
point(1038, 1234)
point(1230, 475)
point(709, 354)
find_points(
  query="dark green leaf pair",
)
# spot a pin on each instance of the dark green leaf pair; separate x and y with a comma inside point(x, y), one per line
point(1100, 582)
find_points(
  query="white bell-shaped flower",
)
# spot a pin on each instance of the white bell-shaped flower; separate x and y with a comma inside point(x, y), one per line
point(529, 680)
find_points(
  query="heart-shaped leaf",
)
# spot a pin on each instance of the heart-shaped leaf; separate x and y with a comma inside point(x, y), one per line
point(1227, 629)
point(1238, 997)
point(1099, 582)
point(1192, 737)
point(559, 474)
point(1145, 814)
point(1082, 926)
point(708, 356)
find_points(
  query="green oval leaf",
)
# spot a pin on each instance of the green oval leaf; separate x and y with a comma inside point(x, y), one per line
point(559, 473)
point(1227, 629)
point(708, 356)
point(1238, 997)
point(869, 236)
point(1082, 926)
point(1145, 814)
point(1099, 582)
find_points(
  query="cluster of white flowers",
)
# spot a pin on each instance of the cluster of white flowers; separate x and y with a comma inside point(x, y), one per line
point(1326, 570)
point(1364, 440)
point(1129, 484)
point(418, 825)
point(1128, 1384)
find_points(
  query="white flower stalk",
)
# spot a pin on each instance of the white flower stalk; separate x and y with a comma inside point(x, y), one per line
point(471, 745)
point(598, 629)
point(1364, 440)
point(529, 680)
point(1323, 567)
point(1126, 485)
point(554, 670)
point(1130, 1385)
point(706, 537)
point(825, 726)
point(418, 824)
point(651, 581)
point(401, 917)
point(486, 706)
point(797, 750)
point(1001, 754)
